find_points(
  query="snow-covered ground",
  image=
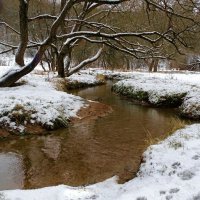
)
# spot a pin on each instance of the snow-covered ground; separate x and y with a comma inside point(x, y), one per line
point(171, 170)
point(36, 101)
point(184, 76)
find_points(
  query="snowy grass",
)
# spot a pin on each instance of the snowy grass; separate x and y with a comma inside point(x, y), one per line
point(170, 170)
point(37, 101)
point(156, 91)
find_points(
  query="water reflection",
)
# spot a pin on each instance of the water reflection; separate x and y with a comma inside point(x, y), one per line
point(84, 153)
point(11, 171)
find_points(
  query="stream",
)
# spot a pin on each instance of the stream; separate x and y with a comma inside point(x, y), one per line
point(88, 152)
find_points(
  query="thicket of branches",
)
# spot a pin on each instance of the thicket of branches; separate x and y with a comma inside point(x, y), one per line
point(71, 34)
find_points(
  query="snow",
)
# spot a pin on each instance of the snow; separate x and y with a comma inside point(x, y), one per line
point(5, 69)
point(191, 104)
point(156, 88)
point(38, 100)
point(83, 78)
point(183, 76)
point(171, 170)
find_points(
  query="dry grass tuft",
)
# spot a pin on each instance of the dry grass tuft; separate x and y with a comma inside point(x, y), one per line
point(60, 84)
point(100, 77)
point(175, 124)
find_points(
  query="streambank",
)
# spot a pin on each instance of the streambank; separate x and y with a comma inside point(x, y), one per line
point(163, 91)
point(35, 106)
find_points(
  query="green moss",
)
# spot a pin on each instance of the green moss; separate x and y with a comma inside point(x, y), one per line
point(131, 93)
point(173, 100)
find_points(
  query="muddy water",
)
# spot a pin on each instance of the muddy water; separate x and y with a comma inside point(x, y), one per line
point(87, 152)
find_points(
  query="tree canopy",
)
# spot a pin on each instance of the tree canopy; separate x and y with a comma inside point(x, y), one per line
point(71, 34)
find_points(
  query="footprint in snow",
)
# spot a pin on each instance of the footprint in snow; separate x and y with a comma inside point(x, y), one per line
point(141, 198)
point(174, 190)
point(162, 192)
point(197, 197)
point(176, 165)
point(196, 157)
point(186, 175)
point(168, 197)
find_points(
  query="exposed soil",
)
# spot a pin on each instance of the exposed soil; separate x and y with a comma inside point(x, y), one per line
point(4, 133)
point(93, 111)
point(35, 129)
point(31, 129)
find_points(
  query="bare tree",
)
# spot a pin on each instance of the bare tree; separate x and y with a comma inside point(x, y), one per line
point(84, 20)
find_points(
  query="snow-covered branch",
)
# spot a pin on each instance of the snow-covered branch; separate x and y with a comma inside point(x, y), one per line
point(85, 62)
point(10, 27)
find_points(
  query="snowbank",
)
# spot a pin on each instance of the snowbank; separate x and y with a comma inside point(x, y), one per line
point(171, 170)
point(153, 90)
point(191, 105)
point(36, 101)
point(81, 80)
point(163, 89)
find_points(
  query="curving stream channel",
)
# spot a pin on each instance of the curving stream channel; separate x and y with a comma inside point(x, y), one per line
point(87, 152)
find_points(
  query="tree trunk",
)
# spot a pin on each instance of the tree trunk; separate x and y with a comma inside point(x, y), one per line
point(54, 62)
point(15, 74)
point(64, 53)
point(155, 66)
point(68, 62)
point(23, 15)
point(151, 65)
point(61, 66)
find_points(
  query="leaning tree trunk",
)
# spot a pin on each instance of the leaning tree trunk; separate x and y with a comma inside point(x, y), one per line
point(14, 75)
point(23, 16)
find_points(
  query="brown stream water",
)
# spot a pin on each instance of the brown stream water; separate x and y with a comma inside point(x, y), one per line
point(87, 152)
